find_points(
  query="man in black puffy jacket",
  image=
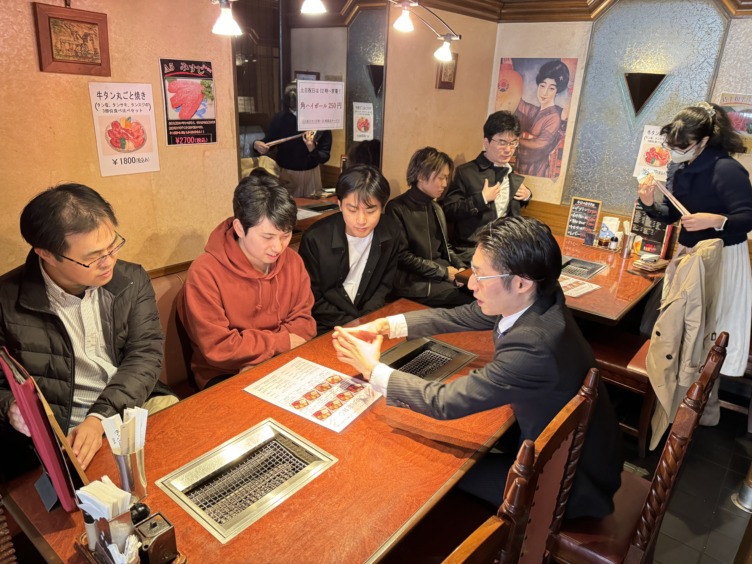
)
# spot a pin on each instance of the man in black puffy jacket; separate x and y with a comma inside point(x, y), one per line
point(83, 324)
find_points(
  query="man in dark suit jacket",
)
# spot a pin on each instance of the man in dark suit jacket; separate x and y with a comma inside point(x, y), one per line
point(351, 256)
point(485, 189)
point(539, 364)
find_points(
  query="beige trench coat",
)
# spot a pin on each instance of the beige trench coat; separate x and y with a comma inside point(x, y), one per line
point(684, 330)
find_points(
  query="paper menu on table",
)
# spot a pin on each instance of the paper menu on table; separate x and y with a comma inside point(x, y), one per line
point(574, 287)
point(305, 214)
point(315, 392)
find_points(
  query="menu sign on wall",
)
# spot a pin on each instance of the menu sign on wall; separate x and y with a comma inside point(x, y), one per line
point(124, 127)
point(583, 217)
point(321, 105)
point(188, 88)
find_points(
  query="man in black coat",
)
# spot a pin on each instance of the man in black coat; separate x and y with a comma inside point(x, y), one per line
point(485, 188)
point(351, 256)
point(83, 324)
point(539, 364)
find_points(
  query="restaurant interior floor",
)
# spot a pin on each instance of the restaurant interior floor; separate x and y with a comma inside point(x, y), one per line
point(702, 524)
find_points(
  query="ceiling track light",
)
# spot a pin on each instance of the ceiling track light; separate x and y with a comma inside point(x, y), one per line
point(225, 24)
point(405, 24)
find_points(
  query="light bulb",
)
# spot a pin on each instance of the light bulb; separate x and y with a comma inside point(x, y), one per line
point(225, 24)
point(404, 23)
point(313, 7)
point(444, 53)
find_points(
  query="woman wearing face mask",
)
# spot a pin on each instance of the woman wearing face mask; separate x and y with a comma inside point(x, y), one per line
point(716, 191)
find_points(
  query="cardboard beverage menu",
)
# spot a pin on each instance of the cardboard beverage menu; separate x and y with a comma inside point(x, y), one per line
point(656, 236)
point(48, 438)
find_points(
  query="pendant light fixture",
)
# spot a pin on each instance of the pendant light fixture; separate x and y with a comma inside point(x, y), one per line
point(404, 23)
point(226, 24)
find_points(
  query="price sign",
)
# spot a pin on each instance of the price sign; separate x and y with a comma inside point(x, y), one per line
point(583, 216)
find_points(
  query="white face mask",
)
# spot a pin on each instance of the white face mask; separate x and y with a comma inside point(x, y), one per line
point(682, 157)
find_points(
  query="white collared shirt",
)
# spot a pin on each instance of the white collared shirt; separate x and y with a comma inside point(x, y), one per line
point(82, 320)
point(358, 249)
point(502, 199)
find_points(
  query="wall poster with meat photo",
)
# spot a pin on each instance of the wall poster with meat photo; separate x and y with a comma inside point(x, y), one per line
point(190, 114)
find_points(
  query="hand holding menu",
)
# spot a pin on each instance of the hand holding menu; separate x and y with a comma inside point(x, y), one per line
point(45, 431)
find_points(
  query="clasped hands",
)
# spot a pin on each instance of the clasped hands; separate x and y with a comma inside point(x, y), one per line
point(491, 192)
point(691, 222)
point(360, 346)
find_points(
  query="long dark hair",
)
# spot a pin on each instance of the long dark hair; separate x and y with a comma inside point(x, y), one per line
point(703, 120)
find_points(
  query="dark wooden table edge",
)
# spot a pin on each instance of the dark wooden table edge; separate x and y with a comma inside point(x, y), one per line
point(36, 539)
point(406, 527)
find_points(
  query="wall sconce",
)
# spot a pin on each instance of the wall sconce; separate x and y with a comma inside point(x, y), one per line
point(405, 24)
point(225, 24)
point(313, 7)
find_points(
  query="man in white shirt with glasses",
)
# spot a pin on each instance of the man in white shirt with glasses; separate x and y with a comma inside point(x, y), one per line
point(486, 188)
point(84, 324)
point(540, 360)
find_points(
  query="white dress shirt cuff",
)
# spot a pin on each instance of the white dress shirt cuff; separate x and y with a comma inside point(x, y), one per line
point(380, 378)
point(397, 326)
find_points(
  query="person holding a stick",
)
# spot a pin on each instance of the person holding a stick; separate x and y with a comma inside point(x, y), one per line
point(299, 154)
point(715, 191)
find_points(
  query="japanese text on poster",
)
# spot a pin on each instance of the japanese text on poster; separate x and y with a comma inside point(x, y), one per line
point(124, 127)
point(652, 156)
point(321, 105)
point(190, 114)
point(316, 393)
point(362, 121)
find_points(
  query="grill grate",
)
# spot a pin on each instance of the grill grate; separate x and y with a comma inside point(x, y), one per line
point(426, 363)
point(235, 489)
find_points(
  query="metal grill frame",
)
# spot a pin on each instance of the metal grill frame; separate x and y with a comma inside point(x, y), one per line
point(202, 469)
point(459, 358)
point(428, 359)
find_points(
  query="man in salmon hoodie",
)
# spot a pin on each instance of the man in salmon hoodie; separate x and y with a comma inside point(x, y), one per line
point(247, 297)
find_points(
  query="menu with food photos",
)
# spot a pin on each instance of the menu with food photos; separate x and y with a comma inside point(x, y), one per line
point(652, 157)
point(315, 392)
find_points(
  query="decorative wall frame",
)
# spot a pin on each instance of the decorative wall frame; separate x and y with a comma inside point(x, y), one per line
point(307, 75)
point(446, 73)
point(72, 41)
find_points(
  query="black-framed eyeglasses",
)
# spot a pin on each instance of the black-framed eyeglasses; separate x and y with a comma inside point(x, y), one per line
point(680, 151)
point(103, 259)
point(504, 143)
point(489, 277)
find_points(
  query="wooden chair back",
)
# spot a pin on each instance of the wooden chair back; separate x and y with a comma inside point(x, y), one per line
point(537, 488)
point(486, 543)
point(629, 534)
point(679, 439)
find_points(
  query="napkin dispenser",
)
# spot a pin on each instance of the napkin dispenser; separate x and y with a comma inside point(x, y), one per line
point(157, 537)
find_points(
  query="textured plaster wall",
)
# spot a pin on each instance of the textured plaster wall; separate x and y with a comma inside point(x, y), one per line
point(48, 136)
point(681, 38)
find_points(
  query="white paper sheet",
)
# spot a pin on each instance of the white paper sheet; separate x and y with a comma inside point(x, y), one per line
point(574, 287)
point(315, 392)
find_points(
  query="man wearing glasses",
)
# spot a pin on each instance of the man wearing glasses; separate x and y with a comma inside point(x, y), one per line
point(539, 363)
point(84, 324)
point(486, 188)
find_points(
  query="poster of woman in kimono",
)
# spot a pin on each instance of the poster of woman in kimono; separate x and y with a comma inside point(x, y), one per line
point(539, 91)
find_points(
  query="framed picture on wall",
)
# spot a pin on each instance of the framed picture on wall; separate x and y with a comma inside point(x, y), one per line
point(72, 41)
point(307, 75)
point(446, 73)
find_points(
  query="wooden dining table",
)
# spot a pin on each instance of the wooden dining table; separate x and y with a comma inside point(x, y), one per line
point(393, 466)
point(621, 286)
